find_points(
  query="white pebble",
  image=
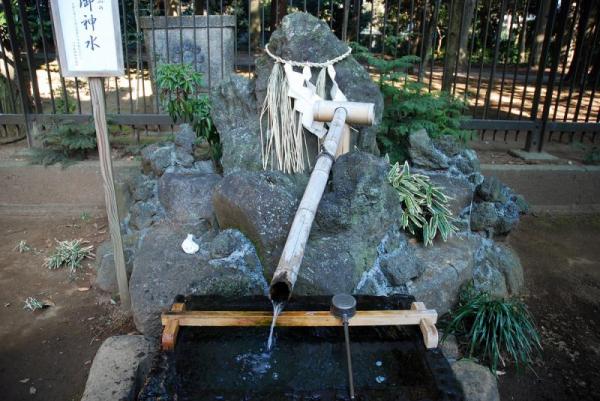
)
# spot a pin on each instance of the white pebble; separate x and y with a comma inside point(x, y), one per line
point(378, 363)
point(380, 379)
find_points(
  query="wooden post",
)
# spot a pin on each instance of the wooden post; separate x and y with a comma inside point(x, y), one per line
point(97, 97)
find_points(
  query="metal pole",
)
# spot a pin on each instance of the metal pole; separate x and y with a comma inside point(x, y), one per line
point(349, 357)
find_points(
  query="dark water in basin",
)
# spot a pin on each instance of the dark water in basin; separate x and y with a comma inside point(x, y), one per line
point(305, 364)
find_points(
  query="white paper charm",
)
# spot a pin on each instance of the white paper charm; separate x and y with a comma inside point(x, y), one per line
point(189, 246)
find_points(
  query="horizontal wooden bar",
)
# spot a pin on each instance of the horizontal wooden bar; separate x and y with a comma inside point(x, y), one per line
point(298, 319)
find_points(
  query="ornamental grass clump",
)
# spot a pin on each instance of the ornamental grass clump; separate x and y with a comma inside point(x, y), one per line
point(424, 205)
point(496, 330)
point(69, 254)
point(32, 304)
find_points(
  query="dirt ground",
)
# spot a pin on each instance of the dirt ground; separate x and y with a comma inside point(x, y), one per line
point(561, 258)
point(46, 354)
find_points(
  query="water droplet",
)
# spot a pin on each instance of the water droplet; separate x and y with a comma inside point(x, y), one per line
point(380, 379)
point(378, 363)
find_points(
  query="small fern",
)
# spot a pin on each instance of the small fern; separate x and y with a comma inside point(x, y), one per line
point(64, 144)
point(424, 205)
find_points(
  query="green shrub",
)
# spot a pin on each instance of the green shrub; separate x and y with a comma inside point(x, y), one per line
point(63, 102)
point(592, 156)
point(179, 90)
point(64, 144)
point(424, 206)
point(496, 330)
point(409, 106)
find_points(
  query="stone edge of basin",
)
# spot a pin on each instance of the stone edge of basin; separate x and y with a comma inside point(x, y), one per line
point(119, 368)
point(123, 362)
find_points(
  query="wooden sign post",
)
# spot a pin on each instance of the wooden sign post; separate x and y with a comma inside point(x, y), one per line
point(88, 36)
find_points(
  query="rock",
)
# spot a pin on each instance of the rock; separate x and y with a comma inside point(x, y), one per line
point(236, 115)
point(449, 347)
point(261, 205)
point(226, 264)
point(106, 276)
point(345, 244)
point(467, 163)
point(185, 139)
point(494, 218)
point(499, 271)
point(303, 37)
point(477, 382)
point(484, 216)
point(394, 266)
point(497, 209)
point(424, 154)
point(183, 158)
point(205, 166)
point(492, 190)
point(142, 188)
point(458, 188)
point(144, 214)
point(124, 178)
point(449, 145)
point(156, 158)
point(119, 368)
point(187, 196)
point(446, 267)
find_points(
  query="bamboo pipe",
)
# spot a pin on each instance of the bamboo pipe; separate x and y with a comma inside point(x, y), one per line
point(286, 273)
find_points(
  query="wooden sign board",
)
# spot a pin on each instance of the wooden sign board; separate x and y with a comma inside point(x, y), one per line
point(88, 36)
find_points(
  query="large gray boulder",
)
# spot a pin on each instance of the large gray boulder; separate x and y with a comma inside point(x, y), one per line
point(477, 382)
point(261, 205)
point(235, 113)
point(354, 215)
point(303, 37)
point(226, 264)
point(187, 196)
point(106, 276)
point(447, 266)
point(119, 368)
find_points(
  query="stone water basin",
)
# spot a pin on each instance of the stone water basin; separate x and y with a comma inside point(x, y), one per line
point(232, 363)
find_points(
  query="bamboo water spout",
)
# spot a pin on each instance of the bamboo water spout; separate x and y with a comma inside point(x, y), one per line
point(339, 113)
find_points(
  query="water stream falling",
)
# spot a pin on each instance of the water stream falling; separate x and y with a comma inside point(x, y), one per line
point(277, 308)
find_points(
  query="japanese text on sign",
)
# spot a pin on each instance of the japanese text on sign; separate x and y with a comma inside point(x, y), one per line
point(89, 39)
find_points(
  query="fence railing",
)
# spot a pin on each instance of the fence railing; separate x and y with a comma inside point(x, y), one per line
point(528, 69)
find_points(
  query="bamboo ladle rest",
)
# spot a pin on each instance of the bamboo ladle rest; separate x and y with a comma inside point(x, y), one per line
point(178, 317)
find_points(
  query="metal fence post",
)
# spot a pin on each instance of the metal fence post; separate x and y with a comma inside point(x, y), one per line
point(535, 138)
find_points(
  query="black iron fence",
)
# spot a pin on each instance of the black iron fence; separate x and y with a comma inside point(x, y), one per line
point(528, 69)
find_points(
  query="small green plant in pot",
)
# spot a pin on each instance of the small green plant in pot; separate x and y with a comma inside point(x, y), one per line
point(496, 330)
point(180, 94)
point(424, 205)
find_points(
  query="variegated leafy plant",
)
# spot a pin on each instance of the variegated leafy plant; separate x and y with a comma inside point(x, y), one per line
point(424, 205)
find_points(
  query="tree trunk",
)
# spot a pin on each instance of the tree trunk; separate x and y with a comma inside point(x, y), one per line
point(457, 50)
point(278, 11)
point(540, 29)
point(588, 17)
point(199, 7)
